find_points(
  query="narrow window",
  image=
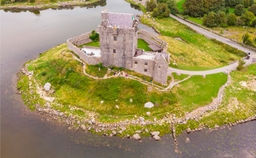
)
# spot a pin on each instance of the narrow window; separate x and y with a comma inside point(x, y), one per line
point(114, 51)
point(146, 63)
point(115, 38)
point(145, 70)
point(136, 62)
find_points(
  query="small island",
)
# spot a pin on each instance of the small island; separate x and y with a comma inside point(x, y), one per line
point(118, 81)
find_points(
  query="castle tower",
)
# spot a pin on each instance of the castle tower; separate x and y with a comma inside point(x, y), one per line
point(118, 39)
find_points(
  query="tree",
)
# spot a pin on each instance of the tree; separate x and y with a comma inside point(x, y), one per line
point(251, 2)
point(231, 19)
point(246, 3)
point(172, 6)
point(248, 18)
point(239, 9)
point(161, 11)
point(221, 19)
point(150, 5)
point(209, 20)
point(252, 9)
point(240, 21)
point(253, 23)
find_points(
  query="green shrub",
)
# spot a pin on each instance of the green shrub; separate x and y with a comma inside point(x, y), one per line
point(245, 37)
point(94, 36)
point(240, 65)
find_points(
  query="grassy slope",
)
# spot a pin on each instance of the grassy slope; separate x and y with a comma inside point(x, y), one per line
point(69, 83)
point(195, 52)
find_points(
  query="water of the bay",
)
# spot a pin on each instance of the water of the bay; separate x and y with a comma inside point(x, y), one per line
point(26, 134)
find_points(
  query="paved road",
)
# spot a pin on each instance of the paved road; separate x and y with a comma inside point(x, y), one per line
point(209, 34)
point(213, 35)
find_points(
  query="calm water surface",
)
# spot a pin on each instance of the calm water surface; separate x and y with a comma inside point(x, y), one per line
point(26, 134)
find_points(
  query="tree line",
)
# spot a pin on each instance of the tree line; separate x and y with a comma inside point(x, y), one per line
point(198, 8)
point(240, 17)
point(217, 12)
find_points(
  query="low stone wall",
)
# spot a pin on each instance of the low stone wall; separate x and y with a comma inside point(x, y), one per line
point(152, 39)
point(79, 40)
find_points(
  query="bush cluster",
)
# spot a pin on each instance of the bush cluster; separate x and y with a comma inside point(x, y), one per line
point(161, 8)
point(94, 36)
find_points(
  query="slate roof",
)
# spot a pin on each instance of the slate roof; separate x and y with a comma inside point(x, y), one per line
point(120, 20)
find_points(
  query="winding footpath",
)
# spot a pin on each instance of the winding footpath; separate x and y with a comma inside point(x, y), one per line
point(208, 34)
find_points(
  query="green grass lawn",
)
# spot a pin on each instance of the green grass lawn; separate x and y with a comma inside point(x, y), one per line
point(238, 103)
point(93, 44)
point(231, 10)
point(198, 91)
point(179, 77)
point(196, 20)
point(143, 45)
point(190, 50)
point(179, 4)
point(96, 70)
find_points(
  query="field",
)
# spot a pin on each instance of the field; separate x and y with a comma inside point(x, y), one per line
point(236, 33)
point(190, 50)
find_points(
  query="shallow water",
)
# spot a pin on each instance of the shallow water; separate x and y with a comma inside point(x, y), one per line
point(28, 134)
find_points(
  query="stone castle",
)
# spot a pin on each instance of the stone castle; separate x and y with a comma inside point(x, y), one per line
point(119, 35)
